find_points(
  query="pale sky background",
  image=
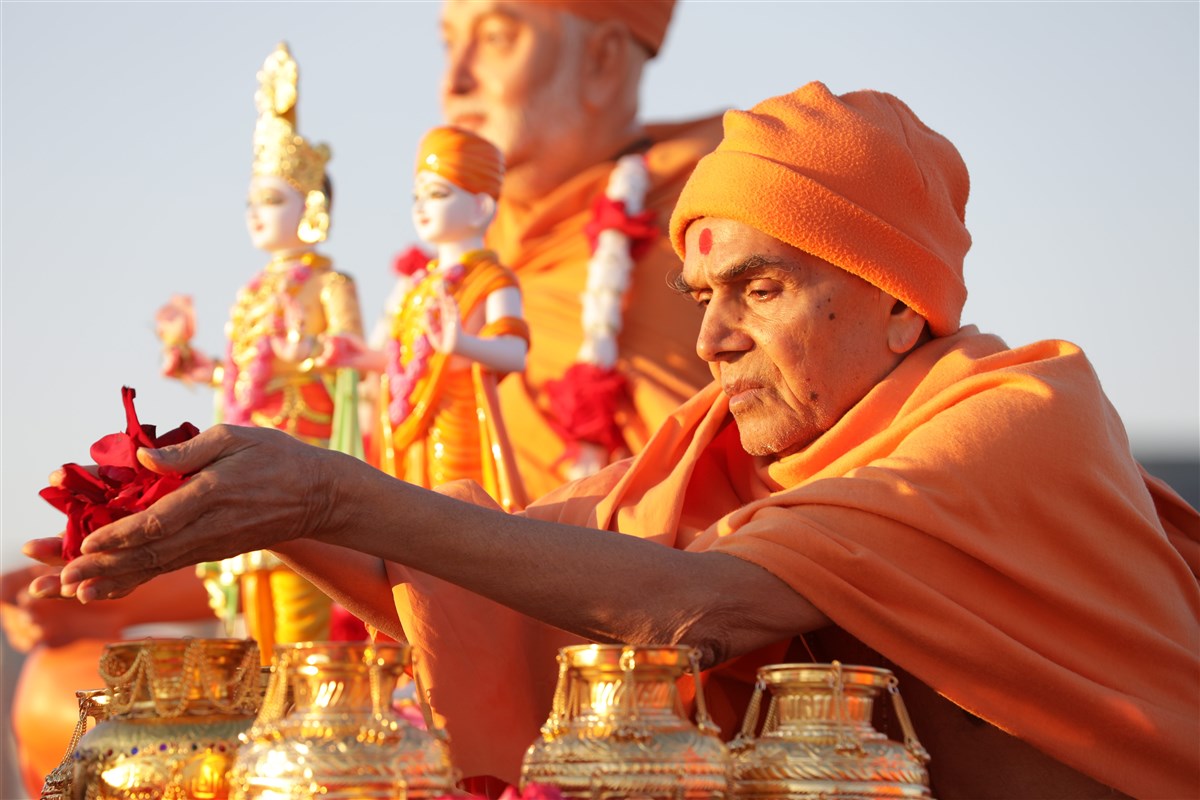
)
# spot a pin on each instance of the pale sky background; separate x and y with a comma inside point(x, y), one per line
point(126, 145)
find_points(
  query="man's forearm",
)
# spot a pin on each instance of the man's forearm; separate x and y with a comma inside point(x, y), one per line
point(596, 584)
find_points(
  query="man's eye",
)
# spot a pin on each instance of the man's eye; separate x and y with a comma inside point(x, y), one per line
point(498, 35)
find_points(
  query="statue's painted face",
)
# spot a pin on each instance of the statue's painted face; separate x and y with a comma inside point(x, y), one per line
point(513, 75)
point(273, 211)
point(445, 213)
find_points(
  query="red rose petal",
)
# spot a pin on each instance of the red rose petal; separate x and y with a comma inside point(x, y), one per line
point(121, 486)
point(181, 434)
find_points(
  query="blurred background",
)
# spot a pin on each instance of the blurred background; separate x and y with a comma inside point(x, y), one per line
point(125, 136)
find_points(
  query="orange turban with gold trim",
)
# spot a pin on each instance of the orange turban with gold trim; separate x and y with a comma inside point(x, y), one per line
point(647, 20)
point(855, 180)
point(463, 158)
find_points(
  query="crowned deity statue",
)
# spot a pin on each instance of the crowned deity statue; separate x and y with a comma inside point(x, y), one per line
point(282, 320)
point(458, 329)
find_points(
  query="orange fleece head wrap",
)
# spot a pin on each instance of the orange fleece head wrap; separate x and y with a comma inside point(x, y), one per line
point(647, 20)
point(463, 158)
point(855, 180)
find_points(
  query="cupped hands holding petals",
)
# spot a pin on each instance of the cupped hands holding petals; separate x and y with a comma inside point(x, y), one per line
point(119, 485)
point(249, 489)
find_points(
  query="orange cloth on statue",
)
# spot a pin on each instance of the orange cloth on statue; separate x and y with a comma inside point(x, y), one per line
point(454, 431)
point(546, 247)
point(977, 519)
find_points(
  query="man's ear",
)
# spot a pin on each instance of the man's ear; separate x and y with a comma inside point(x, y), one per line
point(906, 328)
point(605, 63)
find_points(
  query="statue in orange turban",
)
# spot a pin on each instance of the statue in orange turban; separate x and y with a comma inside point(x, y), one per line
point(458, 330)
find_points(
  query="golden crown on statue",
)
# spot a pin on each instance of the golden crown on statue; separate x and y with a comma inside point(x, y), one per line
point(278, 149)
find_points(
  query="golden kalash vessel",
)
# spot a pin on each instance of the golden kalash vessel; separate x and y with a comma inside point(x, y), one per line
point(339, 737)
point(93, 705)
point(173, 712)
point(817, 740)
point(617, 728)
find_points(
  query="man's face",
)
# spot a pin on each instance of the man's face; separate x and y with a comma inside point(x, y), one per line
point(273, 211)
point(794, 340)
point(512, 74)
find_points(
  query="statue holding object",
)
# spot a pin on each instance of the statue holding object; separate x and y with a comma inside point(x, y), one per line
point(280, 323)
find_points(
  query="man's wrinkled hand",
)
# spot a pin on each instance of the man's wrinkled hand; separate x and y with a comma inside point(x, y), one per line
point(251, 488)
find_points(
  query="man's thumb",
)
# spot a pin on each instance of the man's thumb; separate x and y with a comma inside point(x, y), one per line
point(184, 458)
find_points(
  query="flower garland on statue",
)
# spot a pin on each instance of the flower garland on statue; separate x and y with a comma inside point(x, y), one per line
point(244, 389)
point(403, 375)
point(584, 402)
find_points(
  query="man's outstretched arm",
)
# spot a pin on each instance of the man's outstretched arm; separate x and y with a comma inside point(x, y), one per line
point(259, 489)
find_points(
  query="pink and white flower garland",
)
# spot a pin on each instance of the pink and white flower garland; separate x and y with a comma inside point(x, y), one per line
point(403, 376)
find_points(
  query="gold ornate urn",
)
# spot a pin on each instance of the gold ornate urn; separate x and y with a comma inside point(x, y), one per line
point(338, 736)
point(817, 741)
point(174, 710)
point(617, 729)
point(93, 704)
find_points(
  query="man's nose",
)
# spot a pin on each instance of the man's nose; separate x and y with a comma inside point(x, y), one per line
point(459, 77)
point(722, 336)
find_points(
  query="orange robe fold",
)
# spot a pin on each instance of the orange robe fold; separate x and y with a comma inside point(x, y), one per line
point(545, 245)
point(977, 519)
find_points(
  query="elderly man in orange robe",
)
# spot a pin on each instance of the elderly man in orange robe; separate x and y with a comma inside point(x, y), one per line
point(867, 478)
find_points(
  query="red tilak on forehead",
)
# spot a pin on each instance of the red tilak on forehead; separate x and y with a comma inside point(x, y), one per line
point(705, 241)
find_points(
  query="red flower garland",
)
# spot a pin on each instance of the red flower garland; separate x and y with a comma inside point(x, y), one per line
point(584, 403)
point(411, 261)
point(121, 485)
point(609, 214)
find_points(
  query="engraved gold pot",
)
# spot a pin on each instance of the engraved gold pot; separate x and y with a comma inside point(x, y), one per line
point(174, 710)
point(817, 740)
point(617, 729)
point(337, 737)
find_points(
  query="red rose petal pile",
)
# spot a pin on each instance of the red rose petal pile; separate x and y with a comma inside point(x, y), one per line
point(121, 485)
